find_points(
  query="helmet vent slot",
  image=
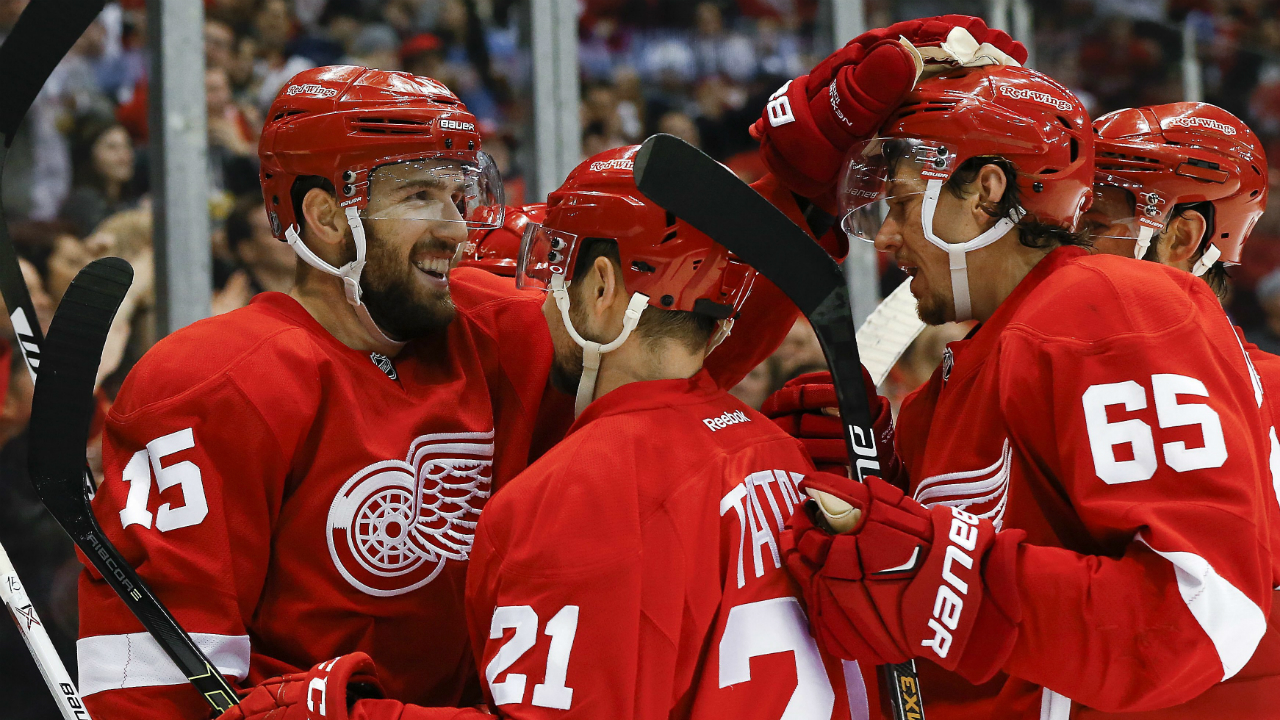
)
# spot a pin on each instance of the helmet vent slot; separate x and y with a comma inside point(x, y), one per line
point(1066, 124)
point(1075, 148)
point(390, 126)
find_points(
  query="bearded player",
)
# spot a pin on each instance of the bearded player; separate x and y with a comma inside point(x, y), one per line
point(1088, 530)
point(633, 571)
point(302, 478)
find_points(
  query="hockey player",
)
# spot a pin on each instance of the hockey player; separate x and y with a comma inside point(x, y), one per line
point(1086, 530)
point(1183, 184)
point(301, 478)
point(633, 571)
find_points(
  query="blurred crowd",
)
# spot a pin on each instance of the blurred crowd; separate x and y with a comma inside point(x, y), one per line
point(76, 181)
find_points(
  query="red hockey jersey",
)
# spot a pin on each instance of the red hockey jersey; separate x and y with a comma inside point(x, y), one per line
point(290, 500)
point(1107, 409)
point(633, 572)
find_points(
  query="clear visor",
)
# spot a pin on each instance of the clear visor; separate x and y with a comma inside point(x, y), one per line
point(440, 189)
point(544, 252)
point(884, 176)
point(1121, 209)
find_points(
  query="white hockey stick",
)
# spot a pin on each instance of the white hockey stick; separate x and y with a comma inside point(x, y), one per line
point(888, 331)
point(37, 640)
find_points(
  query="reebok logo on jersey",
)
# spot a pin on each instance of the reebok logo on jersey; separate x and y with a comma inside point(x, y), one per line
point(311, 89)
point(949, 603)
point(725, 420)
point(1199, 122)
point(1035, 96)
point(447, 124)
point(618, 164)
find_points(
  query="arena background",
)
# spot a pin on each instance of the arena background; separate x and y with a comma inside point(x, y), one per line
point(79, 185)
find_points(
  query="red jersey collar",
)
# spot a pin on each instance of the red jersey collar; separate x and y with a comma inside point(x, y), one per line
point(649, 394)
point(979, 343)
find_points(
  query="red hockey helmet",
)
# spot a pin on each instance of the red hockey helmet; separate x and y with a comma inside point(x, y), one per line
point(1001, 111)
point(1185, 152)
point(342, 123)
point(497, 250)
point(662, 256)
point(1007, 111)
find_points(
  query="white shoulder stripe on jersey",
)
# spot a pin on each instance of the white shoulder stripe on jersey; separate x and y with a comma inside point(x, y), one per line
point(1232, 621)
point(112, 662)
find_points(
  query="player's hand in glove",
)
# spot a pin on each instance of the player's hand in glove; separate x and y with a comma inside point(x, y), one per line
point(806, 409)
point(325, 692)
point(904, 581)
point(811, 122)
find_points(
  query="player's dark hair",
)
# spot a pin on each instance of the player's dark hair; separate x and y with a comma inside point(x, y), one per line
point(303, 185)
point(1031, 231)
point(694, 329)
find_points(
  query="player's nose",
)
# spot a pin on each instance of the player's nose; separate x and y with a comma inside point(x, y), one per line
point(889, 237)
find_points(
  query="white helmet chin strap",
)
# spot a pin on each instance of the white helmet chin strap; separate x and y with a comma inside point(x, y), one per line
point(1145, 234)
point(957, 251)
point(350, 273)
point(1206, 261)
point(592, 351)
point(723, 329)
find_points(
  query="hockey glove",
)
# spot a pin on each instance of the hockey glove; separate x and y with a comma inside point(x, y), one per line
point(325, 692)
point(811, 122)
point(907, 581)
point(806, 409)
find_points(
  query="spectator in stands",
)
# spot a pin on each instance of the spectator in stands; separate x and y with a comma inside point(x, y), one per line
point(233, 137)
point(273, 28)
point(102, 167)
point(267, 263)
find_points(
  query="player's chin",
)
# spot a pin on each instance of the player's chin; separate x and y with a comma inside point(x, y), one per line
point(934, 309)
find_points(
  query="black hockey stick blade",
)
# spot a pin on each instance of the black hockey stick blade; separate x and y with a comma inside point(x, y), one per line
point(61, 413)
point(688, 183)
point(43, 35)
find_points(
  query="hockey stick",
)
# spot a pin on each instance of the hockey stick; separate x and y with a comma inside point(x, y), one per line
point(61, 412)
point(44, 33)
point(702, 192)
point(38, 643)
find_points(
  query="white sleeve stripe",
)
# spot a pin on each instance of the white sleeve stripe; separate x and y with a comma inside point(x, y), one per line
point(1233, 622)
point(112, 662)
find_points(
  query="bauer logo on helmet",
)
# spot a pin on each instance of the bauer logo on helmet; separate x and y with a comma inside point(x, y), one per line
point(447, 124)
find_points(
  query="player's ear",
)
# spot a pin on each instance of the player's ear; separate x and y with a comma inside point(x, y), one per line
point(1181, 238)
point(325, 222)
point(606, 281)
point(991, 186)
